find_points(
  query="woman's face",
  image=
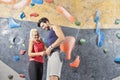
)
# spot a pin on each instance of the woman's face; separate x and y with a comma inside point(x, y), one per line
point(35, 35)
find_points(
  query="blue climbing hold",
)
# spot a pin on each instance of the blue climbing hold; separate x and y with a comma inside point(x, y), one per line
point(16, 58)
point(22, 15)
point(100, 40)
point(117, 60)
point(32, 4)
point(12, 23)
point(97, 17)
point(97, 31)
point(37, 1)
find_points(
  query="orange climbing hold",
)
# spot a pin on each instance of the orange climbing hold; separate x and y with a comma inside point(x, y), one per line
point(75, 63)
point(63, 11)
point(34, 14)
point(8, 1)
point(67, 46)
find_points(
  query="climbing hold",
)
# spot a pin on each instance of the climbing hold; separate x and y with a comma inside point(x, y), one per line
point(10, 76)
point(100, 39)
point(49, 1)
point(117, 60)
point(63, 11)
point(77, 23)
point(11, 46)
point(105, 50)
point(32, 4)
point(23, 45)
point(16, 58)
point(22, 52)
point(75, 63)
point(117, 21)
point(22, 15)
point(82, 41)
point(118, 35)
point(97, 31)
point(12, 23)
point(67, 46)
point(97, 17)
point(37, 1)
point(34, 14)
point(22, 75)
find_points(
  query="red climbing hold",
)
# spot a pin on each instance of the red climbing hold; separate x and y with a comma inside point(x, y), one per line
point(34, 14)
point(22, 52)
point(49, 1)
point(22, 75)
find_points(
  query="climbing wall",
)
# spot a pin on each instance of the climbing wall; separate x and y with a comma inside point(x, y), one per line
point(96, 63)
point(83, 10)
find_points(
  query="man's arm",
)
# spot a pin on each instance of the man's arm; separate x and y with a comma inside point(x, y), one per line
point(59, 33)
point(60, 39)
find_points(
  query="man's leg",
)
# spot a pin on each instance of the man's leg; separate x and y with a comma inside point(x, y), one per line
point(54, 77)
point(54, 66)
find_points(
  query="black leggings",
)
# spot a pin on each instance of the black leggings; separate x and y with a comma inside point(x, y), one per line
point(35, 70)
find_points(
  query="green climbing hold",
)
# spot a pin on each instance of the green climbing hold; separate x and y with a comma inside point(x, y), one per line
point(11, 46)
point(117, 21)
point(23, 45)
point(118, 35)
point(105, 50)
point(82, 41)
point(77, 23)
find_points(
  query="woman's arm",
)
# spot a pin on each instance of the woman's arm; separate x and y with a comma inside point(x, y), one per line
point(30, 53)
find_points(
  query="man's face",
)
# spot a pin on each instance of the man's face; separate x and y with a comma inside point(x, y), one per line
point(45, 26)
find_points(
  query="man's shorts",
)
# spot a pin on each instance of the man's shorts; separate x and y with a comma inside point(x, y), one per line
point(54, 65)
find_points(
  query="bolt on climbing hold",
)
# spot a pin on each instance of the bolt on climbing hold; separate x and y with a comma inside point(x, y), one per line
point(22, 15)
point(32, 4)
point(105, 50)
point(16, 58)
point(10, 77)
point(77, 23)
point(117, 21)
point(82, 41)
point(22, 52)
point(118, 35)
point(97, 17)
point(11, 46)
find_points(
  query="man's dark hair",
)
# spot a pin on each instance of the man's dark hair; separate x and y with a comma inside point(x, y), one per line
point(43, 19)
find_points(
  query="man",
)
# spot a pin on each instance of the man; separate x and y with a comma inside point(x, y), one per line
point(55, 38)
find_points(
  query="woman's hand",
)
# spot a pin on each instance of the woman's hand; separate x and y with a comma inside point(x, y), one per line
point(48, 51)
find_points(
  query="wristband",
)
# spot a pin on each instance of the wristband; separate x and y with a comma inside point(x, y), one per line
point(51, 47)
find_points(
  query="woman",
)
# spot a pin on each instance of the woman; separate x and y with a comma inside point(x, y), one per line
point(36, 51)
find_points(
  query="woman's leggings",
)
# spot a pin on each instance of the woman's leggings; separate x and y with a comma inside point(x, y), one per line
point(35, 70)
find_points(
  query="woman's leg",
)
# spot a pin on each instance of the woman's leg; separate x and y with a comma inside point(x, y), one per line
point(32, 70)
point(40, 71)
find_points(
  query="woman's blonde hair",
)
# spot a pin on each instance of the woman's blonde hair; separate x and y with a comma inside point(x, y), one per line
point(31, 33)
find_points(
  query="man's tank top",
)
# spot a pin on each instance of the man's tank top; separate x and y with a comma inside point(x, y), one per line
point(51, 39)
point(38, 47)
